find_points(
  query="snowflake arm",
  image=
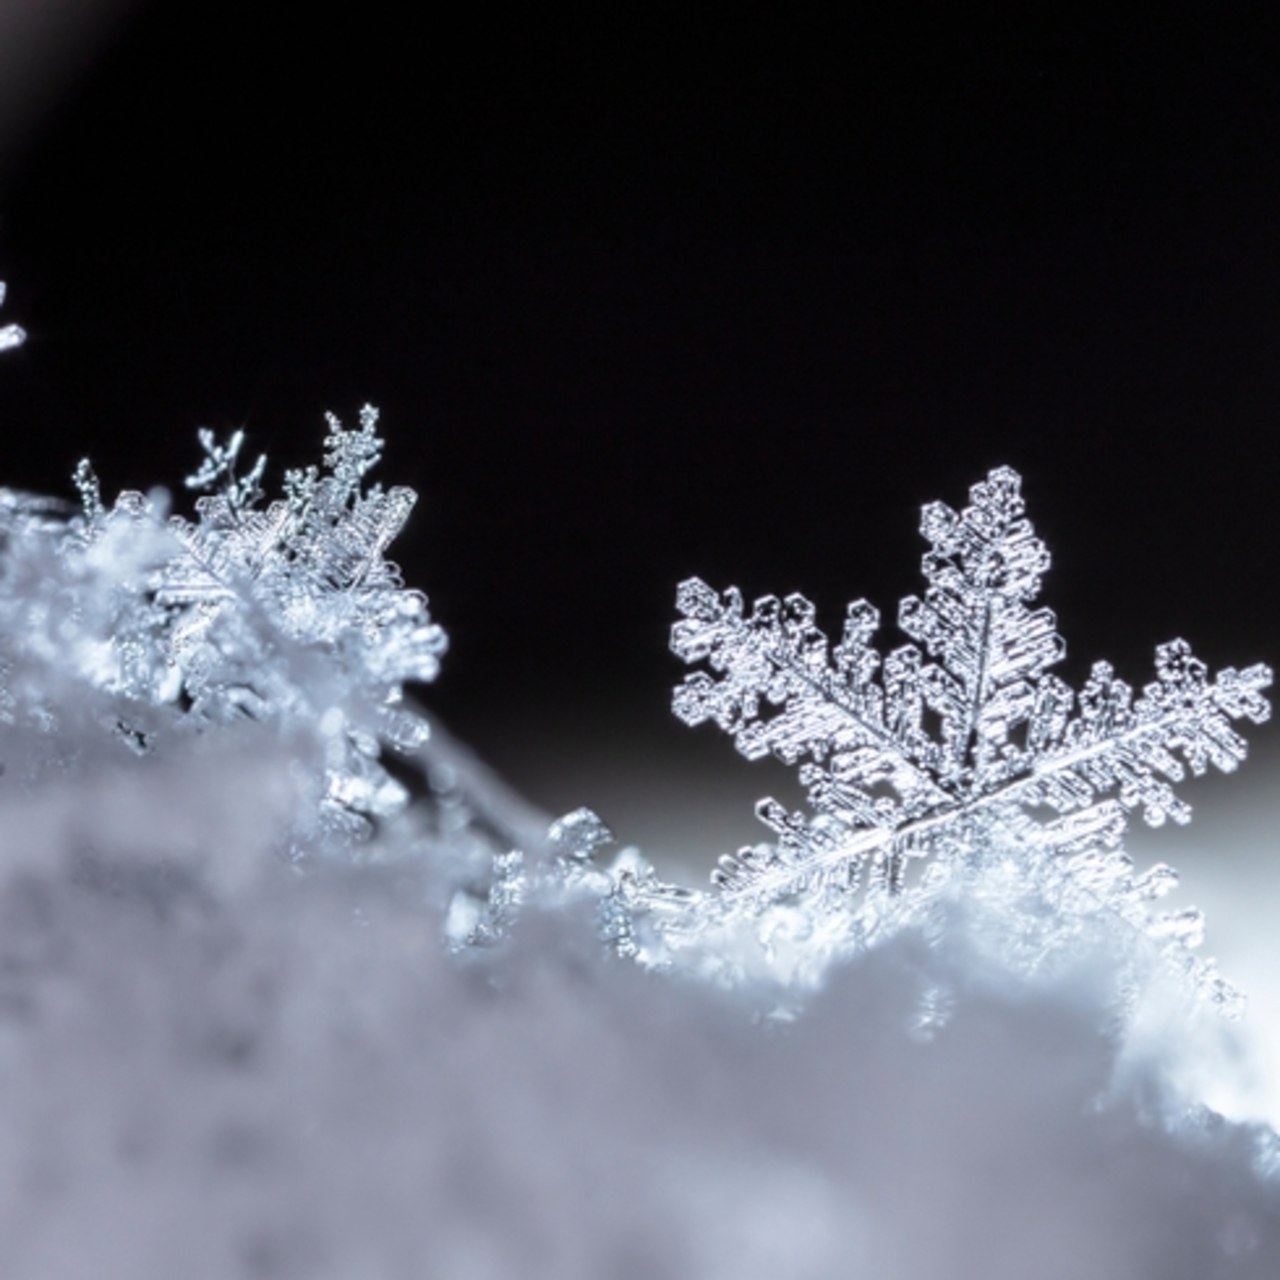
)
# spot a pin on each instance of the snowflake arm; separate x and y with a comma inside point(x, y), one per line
point(1129, 748)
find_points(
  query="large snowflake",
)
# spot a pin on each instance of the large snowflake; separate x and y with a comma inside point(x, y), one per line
point(960, 746)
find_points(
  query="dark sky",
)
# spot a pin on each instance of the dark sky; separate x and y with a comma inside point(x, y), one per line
point(644, 296)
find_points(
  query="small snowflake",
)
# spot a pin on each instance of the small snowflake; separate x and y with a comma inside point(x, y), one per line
point(218, 471)
point(11, 335)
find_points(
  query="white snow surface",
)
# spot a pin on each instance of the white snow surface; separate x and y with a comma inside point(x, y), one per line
point(215, 1066)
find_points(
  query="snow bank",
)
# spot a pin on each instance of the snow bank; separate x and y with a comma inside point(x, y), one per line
point(212, 1066)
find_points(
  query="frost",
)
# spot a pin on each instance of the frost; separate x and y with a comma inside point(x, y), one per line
point(11, 335)
point(961, 748)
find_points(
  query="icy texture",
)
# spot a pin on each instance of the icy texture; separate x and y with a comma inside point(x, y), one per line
point(963, 747)
point(11, 335)
point(287, 615)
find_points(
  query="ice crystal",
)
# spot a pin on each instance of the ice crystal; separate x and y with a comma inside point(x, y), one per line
point(11, 335)
point(963, 747)
point(285, 614)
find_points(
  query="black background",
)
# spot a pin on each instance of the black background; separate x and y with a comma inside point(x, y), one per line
point(642, 294)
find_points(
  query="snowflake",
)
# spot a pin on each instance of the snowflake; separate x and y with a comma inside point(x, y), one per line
point(963, 747)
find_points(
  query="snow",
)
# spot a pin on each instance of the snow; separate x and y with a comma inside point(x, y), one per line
point(213, 1066)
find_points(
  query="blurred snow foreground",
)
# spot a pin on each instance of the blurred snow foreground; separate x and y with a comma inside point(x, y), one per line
point(290, 985)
